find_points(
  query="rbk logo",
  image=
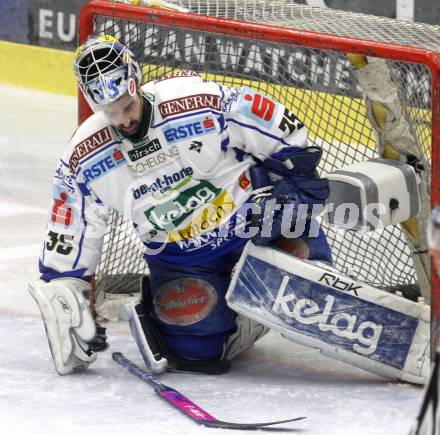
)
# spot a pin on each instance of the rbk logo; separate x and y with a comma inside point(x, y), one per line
point(196, 146)
point(338, 284)
point(64, 305)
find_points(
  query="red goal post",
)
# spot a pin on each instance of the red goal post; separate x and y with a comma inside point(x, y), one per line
point(276, 32)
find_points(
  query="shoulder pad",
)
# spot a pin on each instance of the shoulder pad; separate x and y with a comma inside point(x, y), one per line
point(173, 98)
point(179, 75)
point(93, 133)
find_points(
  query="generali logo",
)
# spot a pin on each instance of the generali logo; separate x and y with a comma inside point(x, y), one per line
point(187, 104)
point(88, 145)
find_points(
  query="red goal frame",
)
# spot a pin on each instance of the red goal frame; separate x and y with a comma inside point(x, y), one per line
point(280, 35)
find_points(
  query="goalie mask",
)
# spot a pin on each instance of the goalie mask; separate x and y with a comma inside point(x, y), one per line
point(105, 70)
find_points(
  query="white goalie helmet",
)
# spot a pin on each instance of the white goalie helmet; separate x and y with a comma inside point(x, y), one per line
point(105, 70)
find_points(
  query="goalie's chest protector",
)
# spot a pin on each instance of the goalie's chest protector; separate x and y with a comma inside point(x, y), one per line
point(162, 182)
point(194, 171)
point(187, 116)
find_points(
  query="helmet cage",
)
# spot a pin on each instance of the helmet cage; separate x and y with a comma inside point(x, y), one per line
point(105, 70)
point(107, 88)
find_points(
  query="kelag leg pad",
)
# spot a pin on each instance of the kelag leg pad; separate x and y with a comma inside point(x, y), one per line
point(314, 305)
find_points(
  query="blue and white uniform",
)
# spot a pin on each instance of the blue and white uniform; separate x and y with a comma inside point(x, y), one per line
point(201, 142)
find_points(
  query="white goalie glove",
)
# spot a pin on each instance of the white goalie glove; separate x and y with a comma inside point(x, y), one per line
point(68, 322)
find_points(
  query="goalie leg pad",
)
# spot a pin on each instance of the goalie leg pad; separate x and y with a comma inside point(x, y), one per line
point(247, 333)
point(314, 305)
point(68, 322)
point(146, 335)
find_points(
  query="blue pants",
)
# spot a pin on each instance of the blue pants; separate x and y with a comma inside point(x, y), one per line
point(189, 302)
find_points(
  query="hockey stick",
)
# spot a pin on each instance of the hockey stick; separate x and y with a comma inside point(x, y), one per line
point(179, 401)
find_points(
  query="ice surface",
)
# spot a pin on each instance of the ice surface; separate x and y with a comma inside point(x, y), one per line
point(274, 380)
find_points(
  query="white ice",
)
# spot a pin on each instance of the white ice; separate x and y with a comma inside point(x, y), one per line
point(274, 380)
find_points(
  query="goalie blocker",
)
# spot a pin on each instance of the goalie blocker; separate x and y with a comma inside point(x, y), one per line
point(314, 305)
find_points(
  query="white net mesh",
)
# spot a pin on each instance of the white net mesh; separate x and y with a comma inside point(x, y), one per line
point(318, 85)
point(288, 14)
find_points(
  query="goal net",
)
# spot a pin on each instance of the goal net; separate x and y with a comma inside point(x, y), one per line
point(302, 57)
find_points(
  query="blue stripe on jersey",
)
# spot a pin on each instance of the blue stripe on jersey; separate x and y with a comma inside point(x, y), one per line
point(225, 143)
point(264, 133)
point(83, 189)
point(221, 120)
point(47, 273)
point(239, 154)
point(83, 232)
point(220, 87)
point(174, 118)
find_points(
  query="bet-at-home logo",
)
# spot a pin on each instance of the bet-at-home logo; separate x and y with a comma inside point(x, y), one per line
point(169, 215)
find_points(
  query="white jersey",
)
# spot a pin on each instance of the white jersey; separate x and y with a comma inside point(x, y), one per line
point(182, 184)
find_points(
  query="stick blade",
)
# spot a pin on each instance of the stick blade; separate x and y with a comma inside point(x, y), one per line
point(246, 426)
point(200, 416)
point(185, 405)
